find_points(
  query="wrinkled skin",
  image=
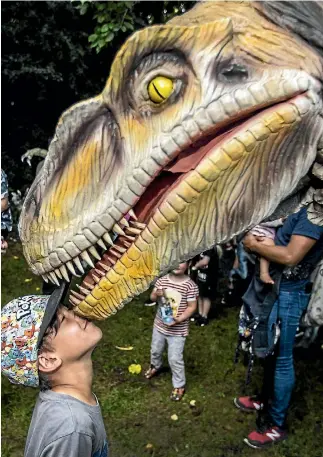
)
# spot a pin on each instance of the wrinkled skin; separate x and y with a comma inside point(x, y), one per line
point(234, 139)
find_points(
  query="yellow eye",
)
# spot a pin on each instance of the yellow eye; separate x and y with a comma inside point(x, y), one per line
point(160, 88)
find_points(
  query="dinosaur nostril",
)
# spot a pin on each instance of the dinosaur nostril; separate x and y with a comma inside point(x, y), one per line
point(234, 72)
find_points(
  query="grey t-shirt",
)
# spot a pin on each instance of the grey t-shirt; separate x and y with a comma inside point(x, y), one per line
point(63, 426)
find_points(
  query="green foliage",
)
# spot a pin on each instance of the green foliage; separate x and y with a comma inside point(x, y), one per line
point(115, 19)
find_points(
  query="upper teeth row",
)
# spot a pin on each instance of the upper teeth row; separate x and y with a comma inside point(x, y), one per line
point(128, 231)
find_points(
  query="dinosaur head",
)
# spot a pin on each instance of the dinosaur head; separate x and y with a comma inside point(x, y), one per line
point(204, 126)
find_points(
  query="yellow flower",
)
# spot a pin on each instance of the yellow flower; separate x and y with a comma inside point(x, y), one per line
point(192, 402)
point(28, 279)
point(37, 289)
point(174, 417)
point(134, 369)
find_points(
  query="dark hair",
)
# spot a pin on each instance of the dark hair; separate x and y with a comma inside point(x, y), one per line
point(45, 345)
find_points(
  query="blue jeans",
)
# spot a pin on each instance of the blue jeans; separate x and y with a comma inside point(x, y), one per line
point(289, 308)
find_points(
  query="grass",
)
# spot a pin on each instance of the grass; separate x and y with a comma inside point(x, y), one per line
point(138, 413)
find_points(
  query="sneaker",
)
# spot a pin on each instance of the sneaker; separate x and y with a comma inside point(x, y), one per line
point(195, 318)
point(203, 321)
point(265, 438)
point(248, 404)
point(150, 302)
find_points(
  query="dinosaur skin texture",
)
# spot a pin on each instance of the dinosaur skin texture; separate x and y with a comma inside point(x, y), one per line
point(238, 131)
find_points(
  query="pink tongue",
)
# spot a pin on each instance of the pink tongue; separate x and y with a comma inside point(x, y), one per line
point(192, 156)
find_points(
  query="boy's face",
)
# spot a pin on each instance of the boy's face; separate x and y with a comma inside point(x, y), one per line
point(75, 337)
point(180, 270)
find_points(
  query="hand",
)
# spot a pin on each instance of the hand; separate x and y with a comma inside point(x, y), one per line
point(159, 292)
point(249, 241)
point(175, 321)
point(265, 240)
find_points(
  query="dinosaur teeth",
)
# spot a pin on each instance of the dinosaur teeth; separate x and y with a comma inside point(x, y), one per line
point(139, 225)
point(58, 273)
point(130, 238)
point(79, 296)
point(53, 278)
point(108, 239)
point(133, 231)
point(71, 268)
point(90, 286)
point(102, 245)
point(94, 252)
point(83, 290)
point(99, 272)
point(96, 279)
point(63, 270)
point(78, 264)
point(119, 248)
point(116, 254)
point(74, 301)
point(132, 214)
point(117, 229)
point(85, 256)
point(45, 278)
point(124, 222)
point(105, 267)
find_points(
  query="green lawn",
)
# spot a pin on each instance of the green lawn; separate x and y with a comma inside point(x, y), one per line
point(138, 412)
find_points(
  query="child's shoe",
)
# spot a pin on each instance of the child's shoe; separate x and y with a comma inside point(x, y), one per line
point(177, 393)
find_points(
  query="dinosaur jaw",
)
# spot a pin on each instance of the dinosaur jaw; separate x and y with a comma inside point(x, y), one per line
point(207, 201)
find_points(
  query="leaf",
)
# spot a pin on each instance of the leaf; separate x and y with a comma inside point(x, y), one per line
point(174, 417)
point(92, 38)
point(109, 37)
point(28, 279)
point(105, 28)
point(134, 368)
point(125, 348)
point(192, 402)
point(16, 257)
point(37, 289)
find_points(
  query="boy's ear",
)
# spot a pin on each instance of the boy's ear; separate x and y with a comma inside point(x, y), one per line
point(48, 362)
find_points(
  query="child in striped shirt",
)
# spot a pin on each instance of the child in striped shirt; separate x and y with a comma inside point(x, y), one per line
point(181, 292)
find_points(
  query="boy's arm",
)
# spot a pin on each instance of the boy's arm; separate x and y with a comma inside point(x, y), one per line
point(71, 445)
point(190, 310)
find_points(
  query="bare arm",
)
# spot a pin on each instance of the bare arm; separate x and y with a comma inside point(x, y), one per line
point(190, 310)
point(289, 255)
point(4, 204)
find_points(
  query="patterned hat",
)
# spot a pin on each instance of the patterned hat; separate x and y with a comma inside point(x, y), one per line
point(24, 322)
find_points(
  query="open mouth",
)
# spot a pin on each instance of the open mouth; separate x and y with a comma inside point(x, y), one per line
point(135, 226)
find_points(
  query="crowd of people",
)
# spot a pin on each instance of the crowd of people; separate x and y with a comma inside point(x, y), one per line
point(45, 345)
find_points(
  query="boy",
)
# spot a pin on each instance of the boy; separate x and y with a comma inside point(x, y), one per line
point(44, 344)
point(206, 280)
point(181, 292)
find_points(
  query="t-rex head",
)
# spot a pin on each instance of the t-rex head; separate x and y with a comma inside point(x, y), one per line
point(204, 126)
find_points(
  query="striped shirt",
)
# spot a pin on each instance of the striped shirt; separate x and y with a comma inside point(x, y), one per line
point(178, 294)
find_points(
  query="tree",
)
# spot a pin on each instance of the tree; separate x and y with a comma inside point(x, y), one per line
point(115, 20)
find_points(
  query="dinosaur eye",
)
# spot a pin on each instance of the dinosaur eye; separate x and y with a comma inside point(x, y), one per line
point(160, 89)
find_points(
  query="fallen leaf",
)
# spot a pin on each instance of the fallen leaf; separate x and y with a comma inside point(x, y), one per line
point(174, 417)
point(126, 348)
point(28, 279)
point(134, 368)
point(149, 446)
point(192, 402)
point(37, 289)
point(16, 257)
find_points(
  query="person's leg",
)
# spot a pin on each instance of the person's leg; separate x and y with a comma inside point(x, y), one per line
point(176, 360)
point(264, 271)
point(291, 307)
point(205, 307)
point(200, 305)
point(157, 347)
